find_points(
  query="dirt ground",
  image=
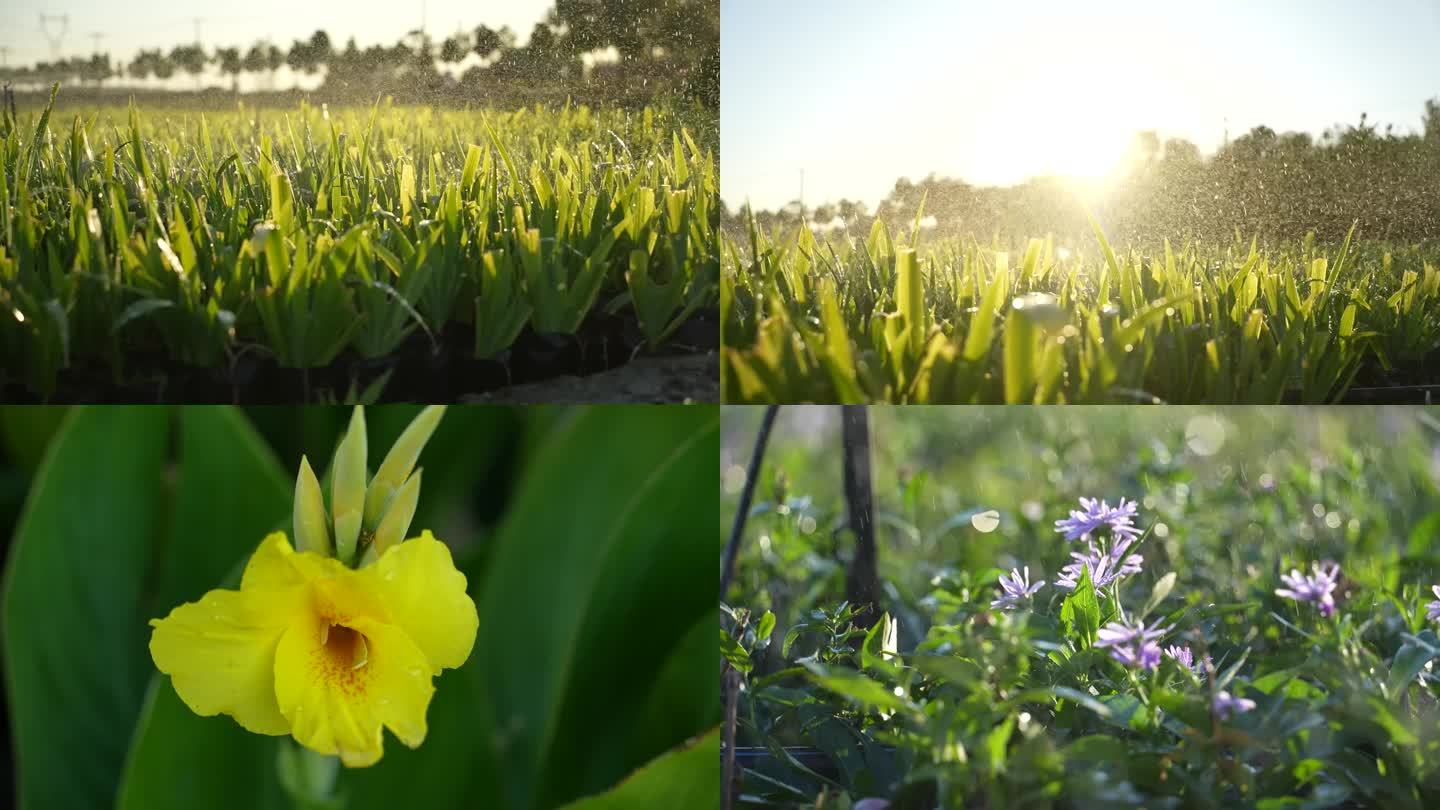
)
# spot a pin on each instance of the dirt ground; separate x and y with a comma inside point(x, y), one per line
point(690, 378)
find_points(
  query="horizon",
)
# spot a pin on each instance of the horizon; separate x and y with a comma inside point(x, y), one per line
point(1062, 107)
point(148, 24)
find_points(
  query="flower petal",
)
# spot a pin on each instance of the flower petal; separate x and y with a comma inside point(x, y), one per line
point(339, 706)
point(425, 597)
point(220, 654)
point(314, 696)
point(403, 681)
point(275, 565)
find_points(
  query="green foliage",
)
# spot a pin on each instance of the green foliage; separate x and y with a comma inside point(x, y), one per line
point(985, 707)
point(1080, 612)
point(184, 495)
point(316, 232)
point(857, 321)
point(79, 585)
point(683, 778)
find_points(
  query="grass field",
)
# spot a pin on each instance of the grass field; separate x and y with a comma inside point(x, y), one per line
point(959, 697)
point(139, 244)
point(891, 319)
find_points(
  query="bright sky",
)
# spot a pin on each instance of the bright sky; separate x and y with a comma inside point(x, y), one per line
point(134, 24)
point(857, 93)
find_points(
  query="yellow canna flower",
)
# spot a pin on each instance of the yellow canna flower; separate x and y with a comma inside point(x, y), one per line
point(325, 653)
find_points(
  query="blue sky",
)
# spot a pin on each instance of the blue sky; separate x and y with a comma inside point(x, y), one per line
point(858, 94)
point(134, 24)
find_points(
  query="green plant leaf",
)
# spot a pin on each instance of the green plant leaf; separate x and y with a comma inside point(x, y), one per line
point(76, 666)
point(687, 777)
point(231, 493)
point(1080, 612)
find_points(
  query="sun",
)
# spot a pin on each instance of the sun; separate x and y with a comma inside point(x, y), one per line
point(1070, 118)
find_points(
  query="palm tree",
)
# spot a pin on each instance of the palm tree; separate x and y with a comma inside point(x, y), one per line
point(321, 51)
point(454, 49)
point(299, 58)
point(191, 59)
point(164, 66)
point(488, 41)
point(274, 58)
point(230, 63)
point(254, 61)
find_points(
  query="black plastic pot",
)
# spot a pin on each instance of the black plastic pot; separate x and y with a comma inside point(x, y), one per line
point(761, 758)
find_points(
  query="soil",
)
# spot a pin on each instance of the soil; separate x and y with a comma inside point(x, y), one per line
point(695, 378)
point(445, 370)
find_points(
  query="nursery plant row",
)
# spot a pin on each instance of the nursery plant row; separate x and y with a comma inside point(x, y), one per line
point(244, 250)
point(888, 319)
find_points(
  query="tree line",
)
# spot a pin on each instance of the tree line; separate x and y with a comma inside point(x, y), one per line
point(674, 43)
point(1263, 183)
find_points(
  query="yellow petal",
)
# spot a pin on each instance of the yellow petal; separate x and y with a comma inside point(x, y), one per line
point(403, 681)
point(273, 566)
point(220, 654)
point(425, 597)
point(339, 685)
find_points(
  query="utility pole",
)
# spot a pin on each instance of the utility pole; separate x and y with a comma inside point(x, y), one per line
point(4, 57)
point(862, 580)
point(96, 37)
point(802, 193)
point(56, 36)
point(197, 21)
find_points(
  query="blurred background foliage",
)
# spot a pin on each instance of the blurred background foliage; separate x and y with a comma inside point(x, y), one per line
point(654, 49)
point(572, 526)
point(1274, 185)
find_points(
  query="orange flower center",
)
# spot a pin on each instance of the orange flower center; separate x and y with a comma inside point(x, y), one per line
point(341, 659)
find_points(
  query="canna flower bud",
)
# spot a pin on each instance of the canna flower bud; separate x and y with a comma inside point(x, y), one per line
point(312, 530)
point(347, 495)
point(395, 469)
point(397, 518)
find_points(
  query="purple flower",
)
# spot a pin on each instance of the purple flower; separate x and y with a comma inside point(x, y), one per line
point(1434, 607)
point(1318, 588)
point(1105, 567)
point(1185, 657)
point(1133, 645)
point(1015, 588)
point(1182, 656)
point(1226, 704)
point(1096, 515)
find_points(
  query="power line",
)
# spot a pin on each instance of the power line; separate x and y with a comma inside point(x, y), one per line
point(56, 38)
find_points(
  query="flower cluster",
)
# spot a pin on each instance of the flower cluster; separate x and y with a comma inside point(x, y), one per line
point(1109, 533)
point(1106, 567)
point(1133, 645)
point(1185, 657)
point(1096, 515)
point(1015, 588)
point(1318, 588)
point(1226, 704)
point(1433, 612)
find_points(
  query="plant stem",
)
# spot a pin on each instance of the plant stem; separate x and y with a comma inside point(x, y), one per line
point(742, 511)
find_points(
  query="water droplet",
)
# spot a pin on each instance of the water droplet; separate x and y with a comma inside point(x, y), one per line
point(985, 521)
